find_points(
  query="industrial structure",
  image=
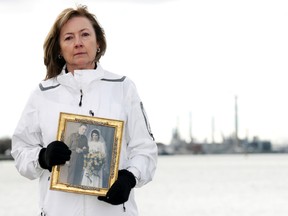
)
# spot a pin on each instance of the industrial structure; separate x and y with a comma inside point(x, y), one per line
point(229, 145)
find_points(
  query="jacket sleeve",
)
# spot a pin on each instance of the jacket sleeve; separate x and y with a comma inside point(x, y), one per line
point(141, 148)
point(26, 141)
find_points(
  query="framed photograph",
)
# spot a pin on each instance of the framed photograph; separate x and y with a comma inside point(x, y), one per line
point(95, 144)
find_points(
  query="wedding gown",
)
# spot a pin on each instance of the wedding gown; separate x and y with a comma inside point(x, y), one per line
point(94, 180)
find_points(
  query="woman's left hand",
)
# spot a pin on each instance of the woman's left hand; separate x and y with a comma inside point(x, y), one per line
point(120, 190)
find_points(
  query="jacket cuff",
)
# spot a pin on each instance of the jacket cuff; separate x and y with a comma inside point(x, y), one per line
point(42, 161)
point(135, 172)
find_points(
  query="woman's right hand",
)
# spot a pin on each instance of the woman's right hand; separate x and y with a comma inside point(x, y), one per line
point(56, 153)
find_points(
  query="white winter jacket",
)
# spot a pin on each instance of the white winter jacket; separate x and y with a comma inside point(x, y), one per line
point(107, 95)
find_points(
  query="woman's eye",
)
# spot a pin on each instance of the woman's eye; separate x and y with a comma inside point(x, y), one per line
point(85, 34)
point(67, 38)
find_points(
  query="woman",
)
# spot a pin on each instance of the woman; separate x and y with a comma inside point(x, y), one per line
point(93, 173)
point(76, 83)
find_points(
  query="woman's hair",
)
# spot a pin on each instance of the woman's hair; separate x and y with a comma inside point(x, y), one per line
point(51, 46)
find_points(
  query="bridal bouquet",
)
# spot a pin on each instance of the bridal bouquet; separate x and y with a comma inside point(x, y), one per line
point(93, 162)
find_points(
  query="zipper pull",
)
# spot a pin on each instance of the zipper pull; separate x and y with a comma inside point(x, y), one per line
point(81, 96)
point(42, 213)
point(124, 208)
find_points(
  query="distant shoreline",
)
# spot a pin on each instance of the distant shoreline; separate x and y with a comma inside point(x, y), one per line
point(5, 157)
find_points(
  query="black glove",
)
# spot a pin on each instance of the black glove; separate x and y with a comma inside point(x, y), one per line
point(56, 153)
point(120, 190)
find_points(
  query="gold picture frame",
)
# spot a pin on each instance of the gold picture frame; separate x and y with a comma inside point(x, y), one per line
point(93, 166)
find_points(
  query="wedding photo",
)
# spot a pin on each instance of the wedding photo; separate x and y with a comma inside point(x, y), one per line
point(94, 145)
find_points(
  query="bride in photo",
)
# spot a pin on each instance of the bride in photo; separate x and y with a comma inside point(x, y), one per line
point(94, 160)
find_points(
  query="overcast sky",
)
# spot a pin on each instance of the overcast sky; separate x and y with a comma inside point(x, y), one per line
point(188, 59)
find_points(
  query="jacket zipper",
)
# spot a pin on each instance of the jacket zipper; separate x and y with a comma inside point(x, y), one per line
point(81, 96)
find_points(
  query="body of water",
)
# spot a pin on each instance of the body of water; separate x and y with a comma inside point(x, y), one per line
point(192, 185)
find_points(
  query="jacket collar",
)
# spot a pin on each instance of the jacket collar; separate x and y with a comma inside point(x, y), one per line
point(81, 78)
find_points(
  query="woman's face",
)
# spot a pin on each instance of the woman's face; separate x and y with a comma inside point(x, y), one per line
point(78, 44)
point(95, 136)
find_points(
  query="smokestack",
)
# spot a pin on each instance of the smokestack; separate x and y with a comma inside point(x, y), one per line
point(213, 130)
point(190, 127)
point(236, 119)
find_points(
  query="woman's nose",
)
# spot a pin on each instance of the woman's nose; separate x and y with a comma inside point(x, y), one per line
point(78, 42)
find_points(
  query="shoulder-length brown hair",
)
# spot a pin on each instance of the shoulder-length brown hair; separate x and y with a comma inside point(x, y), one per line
point(51, 46)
